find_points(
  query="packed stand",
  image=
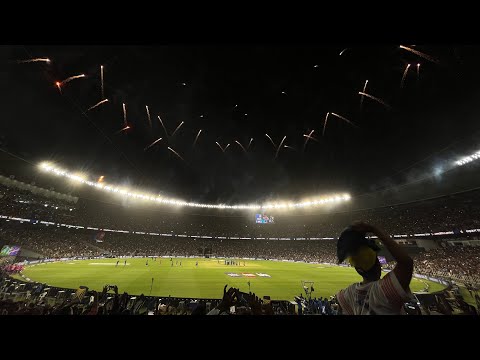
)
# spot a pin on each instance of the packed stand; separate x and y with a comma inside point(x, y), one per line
point(457, 262)
point(453, 213)
point(17, 298)
point(58, 242)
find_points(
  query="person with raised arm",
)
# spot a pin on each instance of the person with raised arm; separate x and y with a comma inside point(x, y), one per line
point(374, 295)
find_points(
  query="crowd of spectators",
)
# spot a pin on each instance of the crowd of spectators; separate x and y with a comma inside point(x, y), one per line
point(460, 262)
point(23, 203)
point(60, 242)
point(17, 298)
point(49, 242)
point(453, 213)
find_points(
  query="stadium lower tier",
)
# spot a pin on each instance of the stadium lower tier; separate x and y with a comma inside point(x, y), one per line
point(38, 242)
point(196, 270)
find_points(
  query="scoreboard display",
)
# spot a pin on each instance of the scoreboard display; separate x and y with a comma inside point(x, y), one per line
point(264, 219)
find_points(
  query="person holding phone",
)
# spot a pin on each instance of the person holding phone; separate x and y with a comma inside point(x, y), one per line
point(373, 296)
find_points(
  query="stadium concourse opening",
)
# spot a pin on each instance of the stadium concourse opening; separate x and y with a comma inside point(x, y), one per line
point(264, 180)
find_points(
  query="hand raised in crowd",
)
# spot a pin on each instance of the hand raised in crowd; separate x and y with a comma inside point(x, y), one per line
point(229, 299)
point(255, 304)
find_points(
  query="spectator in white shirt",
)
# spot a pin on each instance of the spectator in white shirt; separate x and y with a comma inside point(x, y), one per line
point(373, 296)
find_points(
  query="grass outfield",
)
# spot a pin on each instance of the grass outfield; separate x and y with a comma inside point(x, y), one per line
point(205, 281)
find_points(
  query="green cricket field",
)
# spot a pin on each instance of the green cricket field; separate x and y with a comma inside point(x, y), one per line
point(280, 280)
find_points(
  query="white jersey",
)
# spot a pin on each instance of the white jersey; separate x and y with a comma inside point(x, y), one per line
point(382, 297)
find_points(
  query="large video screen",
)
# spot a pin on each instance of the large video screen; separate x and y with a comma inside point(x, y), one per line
point(264, 219)
point(9, 250)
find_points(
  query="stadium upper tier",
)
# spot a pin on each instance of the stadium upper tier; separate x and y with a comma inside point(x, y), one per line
point(454, 214)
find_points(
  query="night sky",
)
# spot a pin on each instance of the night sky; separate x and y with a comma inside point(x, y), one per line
point(279, 90)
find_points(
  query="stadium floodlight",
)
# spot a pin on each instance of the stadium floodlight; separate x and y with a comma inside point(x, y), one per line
point(82, 178)
point(468, 159)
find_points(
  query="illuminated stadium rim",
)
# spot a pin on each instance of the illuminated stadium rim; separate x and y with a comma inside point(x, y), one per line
point(337, 198)
point(468, 159)
point(76, 227)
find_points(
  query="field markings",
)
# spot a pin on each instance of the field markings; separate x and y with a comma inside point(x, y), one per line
point(107, 264)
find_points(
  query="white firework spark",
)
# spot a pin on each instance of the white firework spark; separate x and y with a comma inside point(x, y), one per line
point(273, 143)
point(124, 114)
point(364, 88)
point(279, 146)
point(344, 119)
point(163, 126)
point(148, 116)
point(376, 99)
point(196, 137)
point(46, 60)
point(404, 75)
point(244, 150)
point(97, 104)
point(421, 54)
point(169, 148)
point(153, 143)
point(325, 123)
point(176, 129)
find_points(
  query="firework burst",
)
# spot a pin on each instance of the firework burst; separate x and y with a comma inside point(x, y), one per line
point(67, 80)
point(311, 137)
point(344, 119)
point(220, 146)
point(169, 148)
point(97, 104)
point(196, 137)
point(364, 88)
point(178, 127)
point(124, 114)
point(148, 116)
point(307, 137)
point(153, 143)
point(404, 75)
point(375, 98)
point(279, 146)
point(163, 126)
point(123, 129)
point(244, 150)
point(45, 60)
point(421, 54)
point(101, 81)
point(325, 124)
point(273, 143)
